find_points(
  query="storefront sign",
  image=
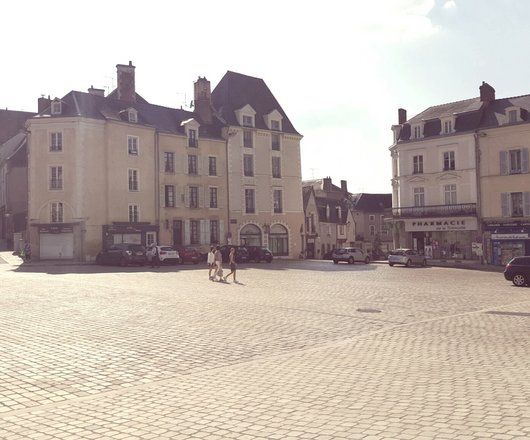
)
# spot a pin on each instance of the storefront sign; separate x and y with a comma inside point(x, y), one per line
point(441, 224)
point(52, 229)
point(509, 236)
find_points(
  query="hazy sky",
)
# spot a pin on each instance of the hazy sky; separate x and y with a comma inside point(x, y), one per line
point(340, 69)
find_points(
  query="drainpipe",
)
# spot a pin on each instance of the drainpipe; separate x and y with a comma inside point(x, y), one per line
point(228, 227)
point(477, 135)
point(157, 184)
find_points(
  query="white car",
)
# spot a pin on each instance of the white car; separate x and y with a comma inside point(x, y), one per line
point(350, 255)
point(166, 254)
point(408, 257)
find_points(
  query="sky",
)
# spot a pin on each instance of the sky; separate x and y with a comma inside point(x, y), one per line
point(340, 69)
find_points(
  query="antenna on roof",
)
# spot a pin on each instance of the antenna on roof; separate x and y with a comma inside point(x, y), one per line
point(312, 172)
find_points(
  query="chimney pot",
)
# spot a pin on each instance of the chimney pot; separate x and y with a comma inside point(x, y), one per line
point(344, 186)
point(126, 87)
point(97, 92)
point(203, 99)
point(326, 183)
point(487, 93)
point(402, 116)
point(43, 103)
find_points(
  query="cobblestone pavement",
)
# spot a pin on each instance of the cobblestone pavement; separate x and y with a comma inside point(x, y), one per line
point(300, 350)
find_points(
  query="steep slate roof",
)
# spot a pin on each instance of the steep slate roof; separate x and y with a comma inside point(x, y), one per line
point(11, 146)
point(235, 90)
point(165, 119)
point(323, 202)
point(11, 122)
point(470, 114)
point(371, 202)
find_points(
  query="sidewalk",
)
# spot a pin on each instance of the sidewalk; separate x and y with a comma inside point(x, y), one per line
point(458, 264)
point(15, 260)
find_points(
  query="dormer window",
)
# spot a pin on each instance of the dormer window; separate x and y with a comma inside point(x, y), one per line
point(132, 115)
point(56, 107)
point(248, 121)
point(448, 127)
point(192, 138)
point(275, 125)
point(416, 132)
point(512, 115)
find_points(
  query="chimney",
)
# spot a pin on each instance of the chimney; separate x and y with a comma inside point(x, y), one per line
point(126, 91)
point(344, 186)
point(402, 116)
point(43, 103)
point(203, 100)
point(97, 92)
point(326, 184)
point(487, 93)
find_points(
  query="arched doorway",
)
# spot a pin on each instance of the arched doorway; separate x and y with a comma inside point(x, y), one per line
point(250, 235)
point(279, 240)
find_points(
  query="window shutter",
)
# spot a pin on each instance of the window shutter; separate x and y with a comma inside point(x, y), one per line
point(524, 160)
point(220, 199)
point(526, 204)
point(221, 232)
point(201, 197)
point(176, 195)
point(162, 196)
point(503, 160)
point(186, 225)
point(202, 225)
point(505, 204)
point(182, 163)
point(199, 165)
point(187, 196)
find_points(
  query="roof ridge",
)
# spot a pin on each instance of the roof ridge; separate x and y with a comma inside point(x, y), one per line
point(243, 74)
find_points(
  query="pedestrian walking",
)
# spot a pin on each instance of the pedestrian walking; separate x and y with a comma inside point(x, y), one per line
point(218, 261)
point(210, 260)
point(152, 256)
point(27, 252)
point(233, 265)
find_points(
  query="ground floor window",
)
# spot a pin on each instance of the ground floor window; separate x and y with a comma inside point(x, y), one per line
point(279, 240)
point(177, 233)
point(194, 232)
point(250, 235)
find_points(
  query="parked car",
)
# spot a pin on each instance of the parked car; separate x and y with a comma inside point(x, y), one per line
point(408, 257)
point(350, 255)
point(241, 253)
point(123, 254)
point(518, 271)
point(188, 254)
point(258, 254)
point(167, 254)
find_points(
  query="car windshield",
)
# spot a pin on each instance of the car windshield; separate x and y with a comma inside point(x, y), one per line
point(166, 248)
point(397, 252)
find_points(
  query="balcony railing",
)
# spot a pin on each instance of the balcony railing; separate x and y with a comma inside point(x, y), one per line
point(436, 210)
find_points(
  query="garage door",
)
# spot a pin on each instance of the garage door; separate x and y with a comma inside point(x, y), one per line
point(56, 246)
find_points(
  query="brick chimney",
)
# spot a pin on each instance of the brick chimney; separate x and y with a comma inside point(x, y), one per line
point(402, 116)
point(97, 92)
point(203, 99)
point(487, 93)
point(344, 186)
point(326, 184)
point(43, 103)
point(126, 90)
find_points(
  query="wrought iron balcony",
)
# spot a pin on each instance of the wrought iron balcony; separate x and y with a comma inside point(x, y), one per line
point(435, 210)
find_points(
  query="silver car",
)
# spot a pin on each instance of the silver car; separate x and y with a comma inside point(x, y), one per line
point(408, 257)
point(350, 255)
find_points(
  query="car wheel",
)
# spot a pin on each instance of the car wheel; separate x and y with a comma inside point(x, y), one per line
point(351, 260)
point(269, 260)
point(390, 264)
point(424, 262)
point(335, 261)
point(519, 280)
point(408, 263)
point(366, 260)
point(99, 260)
point(195, 262)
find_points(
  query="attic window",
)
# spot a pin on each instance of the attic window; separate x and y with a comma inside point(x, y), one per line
point(448, 127)
point(56, 108)
point(133, 115)
point(248, 121)
point(275, 125)
point(512, 116)
point(416, 134)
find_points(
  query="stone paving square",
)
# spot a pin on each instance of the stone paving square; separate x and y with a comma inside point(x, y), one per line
point(301, 349)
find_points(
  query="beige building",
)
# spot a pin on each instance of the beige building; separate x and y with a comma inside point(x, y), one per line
point(105, 170)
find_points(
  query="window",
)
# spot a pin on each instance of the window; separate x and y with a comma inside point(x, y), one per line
point(512, 116)
point(450, 194)
point(275, 141)
point(169, 195)
point(517, 204)
point(371, 217)
point(212, 166)
point(248, 165)
point(194, 197)
point(449, 160)
point(192, 139)
point(194, 231)
point(247, 139)
point(275, 125)
point(419, 197)
point(279, 240)
point(276, 167)
point(57, 212)
point(56, 143)
point(214, 231)
point(56, 108)
point(278, 208)
point(134, 216)
point(132, 145)
point(248, 121)
point(133, 180)
point(56, 177)
point(249, 201)
point(133, 116)
point(417, 132)
point(417, 162)
point(372, 229)
point(213, 197)
point(192, 164)
point(515, 161)
point(448, 127)
point(169, 162)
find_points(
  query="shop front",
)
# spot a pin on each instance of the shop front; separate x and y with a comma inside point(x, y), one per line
point(444, 238)
point(57, 241)
point(506, 241)
point(135, 233)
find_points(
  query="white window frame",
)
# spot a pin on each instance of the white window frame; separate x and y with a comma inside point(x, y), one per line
point(56, 107)
point(131, 172)
point(170, 202)
point(372, 230)
point(278, 127)
point(280, 202)
point(252, 171)
point(371, 217)
point(209, 173)
point(131, 212)
point(518, 170)
point(449, 153)
point(420, 200)
point(216, 197)
point(57, 207)
point(56, 140)
point(130, 139)
point(248, 118)
point(60, 179)
point(508, 111)
point(253, 200)
point(450, 194)
point(279, 160)
point(417, 131)
point(132, 115)
point(417, 160)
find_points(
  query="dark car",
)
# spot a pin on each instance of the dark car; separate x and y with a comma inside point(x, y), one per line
point(123, 254)
point(258, 254)
point(189, 254)
point(518, 271)
point(241, 253)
